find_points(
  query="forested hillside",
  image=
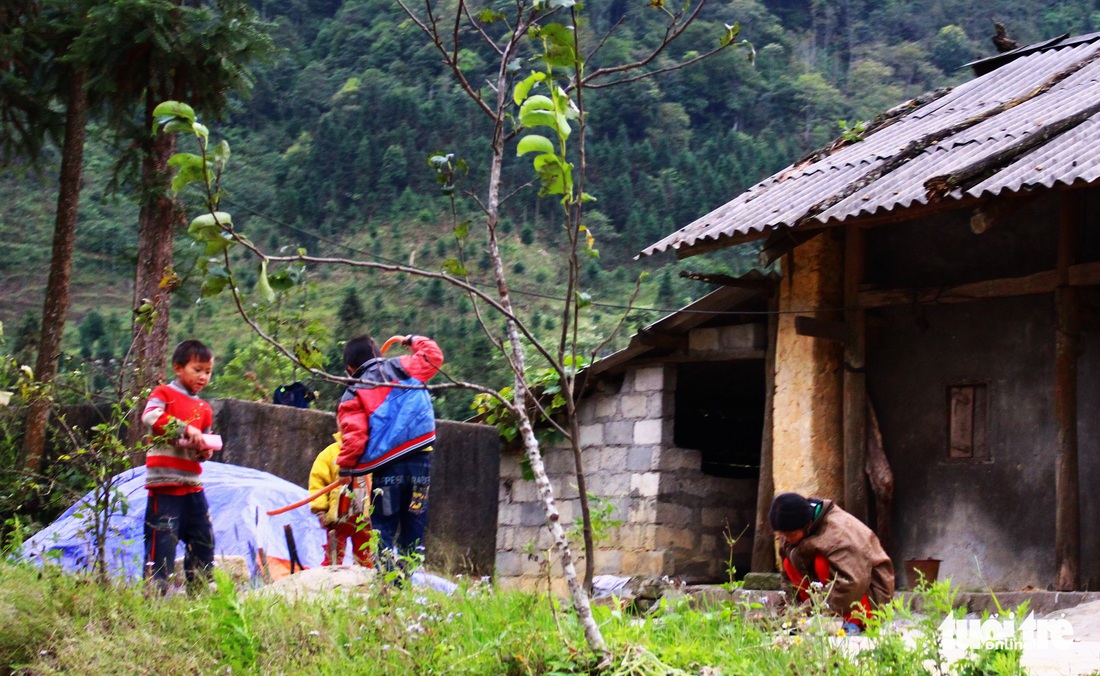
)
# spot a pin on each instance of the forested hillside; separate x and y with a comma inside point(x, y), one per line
point(330, 154)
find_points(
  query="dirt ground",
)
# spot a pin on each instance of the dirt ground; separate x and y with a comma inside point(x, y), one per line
point(319, 581)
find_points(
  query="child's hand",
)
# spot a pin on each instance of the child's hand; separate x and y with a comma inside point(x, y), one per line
point(192, 437)
point(204, 454)
point(322, 518)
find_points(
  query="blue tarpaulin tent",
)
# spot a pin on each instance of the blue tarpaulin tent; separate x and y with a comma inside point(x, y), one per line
point(239, 498)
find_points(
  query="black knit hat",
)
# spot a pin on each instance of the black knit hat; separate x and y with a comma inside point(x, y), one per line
point(790, 511)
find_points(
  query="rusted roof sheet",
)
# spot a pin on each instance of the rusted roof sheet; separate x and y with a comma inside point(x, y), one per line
point(820, 191)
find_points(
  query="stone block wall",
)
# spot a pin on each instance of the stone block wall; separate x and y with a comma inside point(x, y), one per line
point(673, 517)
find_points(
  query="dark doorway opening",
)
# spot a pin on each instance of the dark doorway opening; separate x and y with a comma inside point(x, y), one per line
point(720, 412)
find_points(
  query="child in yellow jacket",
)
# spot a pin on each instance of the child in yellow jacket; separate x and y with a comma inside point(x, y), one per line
point(332, 508)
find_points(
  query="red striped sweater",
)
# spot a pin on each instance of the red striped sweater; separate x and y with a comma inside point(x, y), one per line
point(169, 467)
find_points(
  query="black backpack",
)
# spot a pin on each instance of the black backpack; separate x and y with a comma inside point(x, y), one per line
point(295, 394)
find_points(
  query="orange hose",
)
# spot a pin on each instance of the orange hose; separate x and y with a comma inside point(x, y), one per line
point(306, 500)
point(389, 343)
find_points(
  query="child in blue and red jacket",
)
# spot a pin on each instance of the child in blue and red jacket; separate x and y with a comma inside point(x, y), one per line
point(388, 432)
point(177, 509)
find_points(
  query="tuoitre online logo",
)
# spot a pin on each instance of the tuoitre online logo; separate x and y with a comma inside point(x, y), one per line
point(1003, 633)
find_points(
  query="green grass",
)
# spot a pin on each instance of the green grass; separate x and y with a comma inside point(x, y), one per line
point(52, 622)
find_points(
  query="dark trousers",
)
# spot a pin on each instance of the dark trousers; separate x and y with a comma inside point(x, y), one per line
point(173, 518)
point(400, 503)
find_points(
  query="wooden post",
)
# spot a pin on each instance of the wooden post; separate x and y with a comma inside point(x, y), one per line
point(855, 382)
point(1067, 517)
point(763, 543)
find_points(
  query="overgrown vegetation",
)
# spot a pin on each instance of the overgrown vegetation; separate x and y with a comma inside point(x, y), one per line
point(53, 622)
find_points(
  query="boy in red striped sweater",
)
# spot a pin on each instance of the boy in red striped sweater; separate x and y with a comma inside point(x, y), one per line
point(177, 508)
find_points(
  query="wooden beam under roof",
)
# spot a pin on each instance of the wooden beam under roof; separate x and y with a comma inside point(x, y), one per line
point(1083, 274)
point(749, 281)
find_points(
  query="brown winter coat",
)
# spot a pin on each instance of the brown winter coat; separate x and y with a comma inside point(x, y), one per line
point(855, 557)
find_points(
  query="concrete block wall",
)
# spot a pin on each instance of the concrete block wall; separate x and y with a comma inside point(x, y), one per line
point(672, 516)
point(284, 441)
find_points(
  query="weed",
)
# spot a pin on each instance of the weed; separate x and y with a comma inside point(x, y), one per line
point(731, 569)
point(232, 629)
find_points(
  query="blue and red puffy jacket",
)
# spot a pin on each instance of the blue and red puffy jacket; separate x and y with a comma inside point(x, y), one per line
point(379, 423)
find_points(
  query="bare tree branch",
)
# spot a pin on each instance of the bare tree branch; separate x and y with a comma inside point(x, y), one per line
point(605, 38)
point(433, 36)
point(659, 71)
point(512, 194)
point(485, 36)
point(672, 33)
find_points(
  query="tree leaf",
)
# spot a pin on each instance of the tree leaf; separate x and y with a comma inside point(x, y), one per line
point(216, 245)
point(212, 286)
point(536, 102)
point(558, 40)
point(523, 87)
point(556, 34)
point(216, 218)
point(533, 143)
point(730, 34)
point(262, 285)
point(439, 161)
point(489, 16)
point(186, 176)
point(539, 118)
point(181, 160)
point(589, 240)
point(462, 231)
point(309, 355)
point(206, 226)
point(174, 109)
point(452, 266)
point(221, 152)
point(281, 280)
point(175, 125)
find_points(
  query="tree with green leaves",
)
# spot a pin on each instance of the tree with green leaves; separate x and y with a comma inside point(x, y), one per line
point(542, 112)
point(35, 45)
point(149, 51)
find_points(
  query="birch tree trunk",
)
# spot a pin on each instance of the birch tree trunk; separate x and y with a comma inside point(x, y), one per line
point(579, 596)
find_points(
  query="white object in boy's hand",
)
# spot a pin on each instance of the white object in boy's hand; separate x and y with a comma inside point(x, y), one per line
point(212, 441)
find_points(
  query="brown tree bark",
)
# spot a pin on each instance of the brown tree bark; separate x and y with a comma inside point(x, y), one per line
point(56, 303)
point(154, 279)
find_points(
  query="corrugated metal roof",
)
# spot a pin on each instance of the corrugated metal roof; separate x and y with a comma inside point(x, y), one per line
point(1015, 105)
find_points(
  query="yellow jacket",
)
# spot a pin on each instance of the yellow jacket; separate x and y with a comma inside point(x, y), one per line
point(323, 473)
